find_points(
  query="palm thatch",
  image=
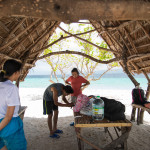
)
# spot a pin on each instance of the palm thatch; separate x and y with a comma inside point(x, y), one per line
point(26, 26)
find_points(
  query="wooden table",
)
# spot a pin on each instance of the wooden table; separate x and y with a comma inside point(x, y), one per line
point(121, 127)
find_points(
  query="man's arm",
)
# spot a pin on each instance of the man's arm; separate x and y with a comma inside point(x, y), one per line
point(8, 117)
point(55, 98)
point(64, 99)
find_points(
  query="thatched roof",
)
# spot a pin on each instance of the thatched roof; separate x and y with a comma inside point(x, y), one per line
point(26, 27)
point(21, 38)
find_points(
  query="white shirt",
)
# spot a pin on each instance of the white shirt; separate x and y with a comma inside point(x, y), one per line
point(9, 96)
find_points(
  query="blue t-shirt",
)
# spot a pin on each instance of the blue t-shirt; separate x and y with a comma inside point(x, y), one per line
point(48, 94)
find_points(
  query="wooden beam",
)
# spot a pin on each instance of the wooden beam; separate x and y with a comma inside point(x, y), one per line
point(74, 10)
point(26, 37)
point(111, 36)
point(124, 41)
point(8, 57)
point(13, 30)
point(137, 57)
point(145, 31)
point(130, 40)
point(21, 33)
point(143, 68)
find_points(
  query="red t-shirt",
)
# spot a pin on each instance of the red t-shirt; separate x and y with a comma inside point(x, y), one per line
point(76, 84)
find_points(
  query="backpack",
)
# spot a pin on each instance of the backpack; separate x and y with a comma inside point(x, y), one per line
point(138, 96)
point(113, 110)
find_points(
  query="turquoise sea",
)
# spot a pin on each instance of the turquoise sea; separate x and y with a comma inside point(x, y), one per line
point(109, 81)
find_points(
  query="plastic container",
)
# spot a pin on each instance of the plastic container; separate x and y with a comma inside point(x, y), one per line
point(98, 109)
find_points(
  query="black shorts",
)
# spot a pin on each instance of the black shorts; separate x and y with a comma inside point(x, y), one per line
point(49, 107)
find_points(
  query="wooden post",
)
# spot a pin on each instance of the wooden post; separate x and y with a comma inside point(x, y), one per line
point(148, 91)
point(141, 116)
point(138, 116)
point(133, 114)
point(79, 140)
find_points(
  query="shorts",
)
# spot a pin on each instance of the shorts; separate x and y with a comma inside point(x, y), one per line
point(49, 107)
point(16, 140)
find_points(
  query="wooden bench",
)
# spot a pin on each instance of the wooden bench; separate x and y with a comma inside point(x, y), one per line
point(123, 126)
point(140, 113)
point(21, 112)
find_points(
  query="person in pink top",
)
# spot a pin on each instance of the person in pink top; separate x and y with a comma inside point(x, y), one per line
point(77, 82)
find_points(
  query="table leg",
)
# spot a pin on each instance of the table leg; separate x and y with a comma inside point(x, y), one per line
point(141, 116)
point(80, 142)
point(133, 114)
point(138, 116)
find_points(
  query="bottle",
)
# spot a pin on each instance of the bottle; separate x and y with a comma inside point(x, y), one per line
point(98, 108)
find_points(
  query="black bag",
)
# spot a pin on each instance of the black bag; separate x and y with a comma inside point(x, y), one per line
point(113, 110)
point(138, 96)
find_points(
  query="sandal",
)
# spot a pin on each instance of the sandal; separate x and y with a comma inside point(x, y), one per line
point(58, 131)
point(72, 124)
point(54, 136)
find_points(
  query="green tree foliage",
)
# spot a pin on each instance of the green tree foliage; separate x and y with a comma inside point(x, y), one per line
point(63, 64)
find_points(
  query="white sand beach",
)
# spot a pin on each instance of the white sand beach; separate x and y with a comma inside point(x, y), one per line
point(37, 133)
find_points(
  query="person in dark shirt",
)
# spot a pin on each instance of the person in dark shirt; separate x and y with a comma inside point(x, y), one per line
point(50, 105)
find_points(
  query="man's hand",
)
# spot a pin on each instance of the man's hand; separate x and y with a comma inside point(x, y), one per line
point(70, 104)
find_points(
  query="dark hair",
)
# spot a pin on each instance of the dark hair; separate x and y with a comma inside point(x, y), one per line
point(10, 66)
point(75, 70)
point(68, 89)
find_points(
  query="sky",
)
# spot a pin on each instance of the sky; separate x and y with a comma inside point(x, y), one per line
point(43, 68)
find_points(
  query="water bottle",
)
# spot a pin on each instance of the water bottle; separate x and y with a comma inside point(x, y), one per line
point(98, 109)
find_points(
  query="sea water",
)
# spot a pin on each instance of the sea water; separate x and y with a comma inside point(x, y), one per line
point(107, 82)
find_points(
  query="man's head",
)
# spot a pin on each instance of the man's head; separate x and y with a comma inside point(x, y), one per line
point(67, 90)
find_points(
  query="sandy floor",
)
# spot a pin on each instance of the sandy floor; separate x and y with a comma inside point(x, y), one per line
point(37, 133)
